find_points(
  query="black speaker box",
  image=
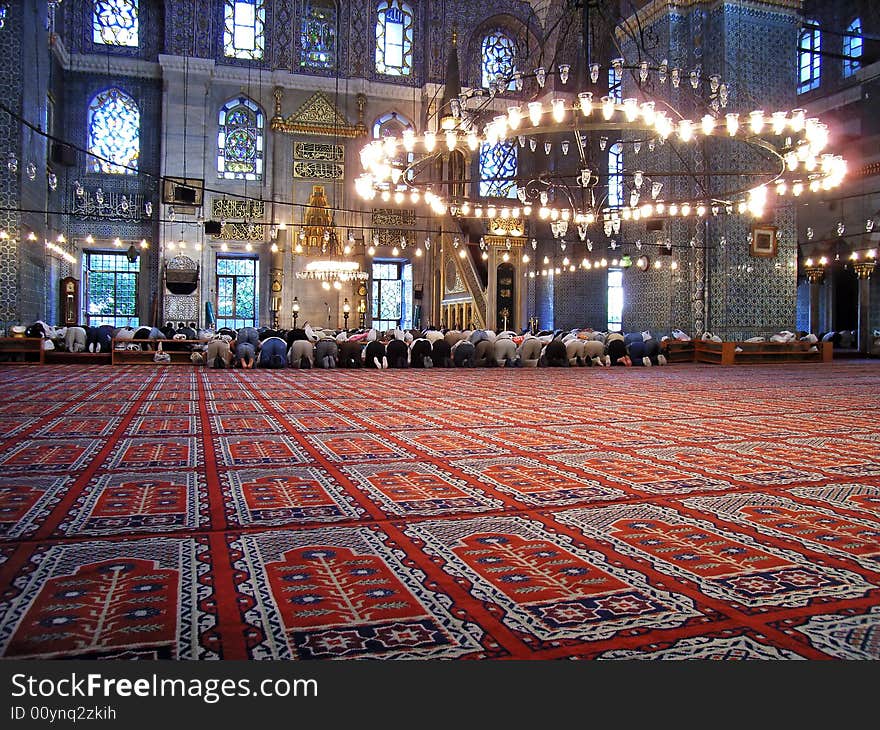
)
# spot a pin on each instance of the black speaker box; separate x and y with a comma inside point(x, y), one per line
point(654, 224)
point(63, 154)
point(213, 228)
point(184, 195)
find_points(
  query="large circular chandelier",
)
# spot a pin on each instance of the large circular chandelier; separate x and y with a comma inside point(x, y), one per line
point(333, 270)
point(792, 145)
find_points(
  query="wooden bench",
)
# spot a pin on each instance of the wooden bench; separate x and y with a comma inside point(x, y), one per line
point(124, 356)
point(63, 357)
point(725, 353)
point(21, 351)
point(678, 350)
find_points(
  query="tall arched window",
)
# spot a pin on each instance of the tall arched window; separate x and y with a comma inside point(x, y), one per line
point(852, 48)
point(394, 38)
point(498, 59)
point(809, 60)
point(318, 35)
point(114, 124)
point(615, 175)
point(244, 22)
point(498, 169)
point(115, 23)
point(240, 140)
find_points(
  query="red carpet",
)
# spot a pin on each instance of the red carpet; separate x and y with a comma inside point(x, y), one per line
point(168, 512)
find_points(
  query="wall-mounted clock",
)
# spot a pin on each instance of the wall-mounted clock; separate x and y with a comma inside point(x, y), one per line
point(642, 263)
point(362, 290)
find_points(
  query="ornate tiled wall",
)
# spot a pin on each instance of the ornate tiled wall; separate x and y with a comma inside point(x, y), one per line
point(10, 140)
point(735, 295)
point(581, 299)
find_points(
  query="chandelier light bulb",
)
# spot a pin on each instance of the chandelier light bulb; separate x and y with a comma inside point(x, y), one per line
point(430, 141)
point(558, 110)
point(648, 113)
point(732, 124)
point(708, 124)
point(409, 140)
point(756, 121)
point(608, 107)
point(631, 109)
point(535, 112)
point(472, 140)
point(585, 99)
point(514, 117)
point(779, 122)
point(525, 258)
point(685, 130)
point(451, 139)
point(798, 120)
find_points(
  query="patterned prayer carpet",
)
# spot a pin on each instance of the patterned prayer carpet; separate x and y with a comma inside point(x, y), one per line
point(680, 512)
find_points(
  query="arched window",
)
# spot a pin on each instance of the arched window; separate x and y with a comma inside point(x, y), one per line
point(115, 23)
point(615, 175)
point(498, 59)
point(852, 48)
point(394, 38)
point(498, 169)
point(114, 123)
point(318, 35)
point(244, 22)
point(809, 61)
point(392, 124)
point(240, 140)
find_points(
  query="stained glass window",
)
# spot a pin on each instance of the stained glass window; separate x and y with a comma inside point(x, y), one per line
point(498, 54)
point(114, 123)
point(392, 295)
point(240, 141)
point(394, 38)
point(615, 175)
point(318, 36)
point(115, 23)
point(498, 169)
point(809, 60)
point(615, 300)
point(852, 48)
point(111, 289)
point(243, 25)
point(238, 303)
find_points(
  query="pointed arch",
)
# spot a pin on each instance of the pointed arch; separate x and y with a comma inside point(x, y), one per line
point(240, 140)
point(852, 48)
point(114, 127)
point(394, 38)
point(498, 59)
